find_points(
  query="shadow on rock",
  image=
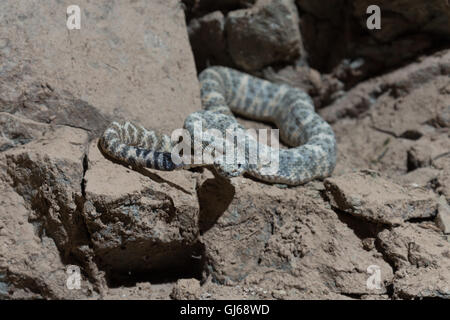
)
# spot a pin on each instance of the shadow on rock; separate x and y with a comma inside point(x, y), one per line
point(214, 195)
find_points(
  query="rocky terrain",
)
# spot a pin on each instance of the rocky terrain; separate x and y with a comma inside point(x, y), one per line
point(148, 234)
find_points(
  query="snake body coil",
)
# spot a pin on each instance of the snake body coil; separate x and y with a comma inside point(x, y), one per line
point(223, 91)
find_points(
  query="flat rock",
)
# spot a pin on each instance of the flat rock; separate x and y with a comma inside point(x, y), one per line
point(19, 131)
point(140, 221)
point(443, 216)
point(129, 60)
point(421, 257)
point(367, 195)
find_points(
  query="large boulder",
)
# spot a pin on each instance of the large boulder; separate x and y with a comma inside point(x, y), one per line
point(267, 33)
point(129, 60)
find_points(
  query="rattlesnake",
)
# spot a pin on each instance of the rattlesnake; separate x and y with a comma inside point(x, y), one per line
point(223, 91)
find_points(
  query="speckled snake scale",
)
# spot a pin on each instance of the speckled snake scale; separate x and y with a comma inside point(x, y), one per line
point(224, 91)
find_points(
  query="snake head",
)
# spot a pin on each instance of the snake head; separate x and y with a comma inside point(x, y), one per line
point(229, 170)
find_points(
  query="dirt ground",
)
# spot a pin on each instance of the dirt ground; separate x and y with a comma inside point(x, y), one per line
point(76, 225)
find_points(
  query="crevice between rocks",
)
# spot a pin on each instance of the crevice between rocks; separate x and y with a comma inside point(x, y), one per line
point(192, 265)
point(371, 230)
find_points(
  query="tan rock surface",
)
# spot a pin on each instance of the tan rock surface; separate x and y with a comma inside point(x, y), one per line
point(368, 195)
point(421, 258)
point(113, 62)
point(139, 222)
point(282, 239)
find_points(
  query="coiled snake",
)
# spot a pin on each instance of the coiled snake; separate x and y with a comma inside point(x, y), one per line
point(223, 91)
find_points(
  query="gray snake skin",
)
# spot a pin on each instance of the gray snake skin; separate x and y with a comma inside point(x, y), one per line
point(223, 91)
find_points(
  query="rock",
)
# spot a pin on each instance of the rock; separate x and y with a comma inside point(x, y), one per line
point(331, 90)
point(387, 117)
point(208, 41)
point(443, 117)
point(42, 231)
point(186, 289)
point(189, 288)
point(139, 77)
point(443, 216)
point(43, 103)
point(30, 263)
point(48, 174)
point(331, 10)
point(443, 179)
point(419, 156)
point(337, 30)
point(220, 40)
point(17, 131)
point(324, 40)
point(140, 291)
point(265, 34)
point(400, 18)
point(421, 177)
point(281, 239)
point(198, 8)
point(421, 257)
point(417, 109)
point(140, 222)
point(367, 195)
point(428, 148)
point(360, 147)
point(396, 85)
point(379, 55)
